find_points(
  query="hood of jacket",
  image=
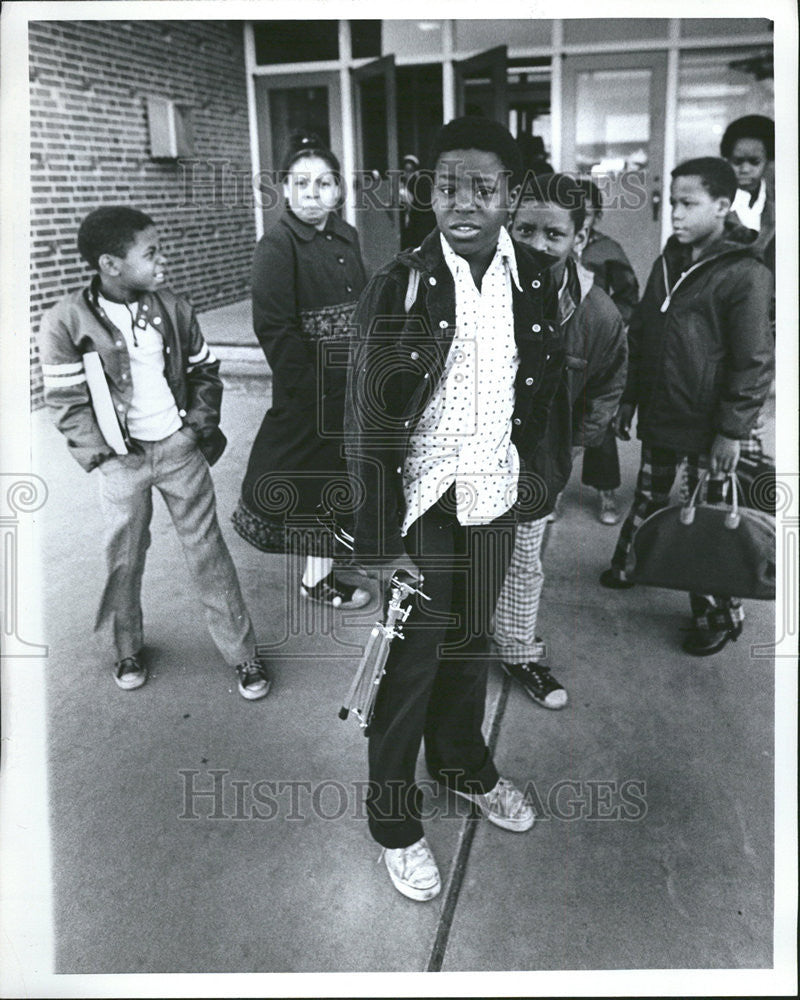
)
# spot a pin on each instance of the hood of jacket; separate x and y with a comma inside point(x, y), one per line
point(735, 238)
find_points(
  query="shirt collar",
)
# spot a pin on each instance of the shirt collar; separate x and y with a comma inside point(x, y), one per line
point(505, 252)
point(307, 233)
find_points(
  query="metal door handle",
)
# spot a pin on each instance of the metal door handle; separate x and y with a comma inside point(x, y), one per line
point(655, 199)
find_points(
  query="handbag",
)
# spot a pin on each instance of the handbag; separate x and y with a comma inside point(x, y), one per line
point(718, 549)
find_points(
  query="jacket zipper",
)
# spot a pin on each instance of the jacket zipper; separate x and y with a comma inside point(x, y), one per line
point(671, 291)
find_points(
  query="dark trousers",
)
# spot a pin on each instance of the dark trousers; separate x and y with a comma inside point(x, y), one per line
point(601, 464)
point(435, 680)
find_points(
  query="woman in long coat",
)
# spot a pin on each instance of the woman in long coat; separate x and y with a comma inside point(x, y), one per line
point(307, 277)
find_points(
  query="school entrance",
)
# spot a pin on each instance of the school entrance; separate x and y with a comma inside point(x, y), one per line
point(621, 100)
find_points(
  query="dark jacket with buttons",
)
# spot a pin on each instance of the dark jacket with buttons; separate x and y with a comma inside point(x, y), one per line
point(305, 286)
point(398, 356)
point(298, 273)
point(77, 325)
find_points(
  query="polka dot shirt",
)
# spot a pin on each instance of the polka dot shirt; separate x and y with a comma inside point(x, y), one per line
point(464, 434)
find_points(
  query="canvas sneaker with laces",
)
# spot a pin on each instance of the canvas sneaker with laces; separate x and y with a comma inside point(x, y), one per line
point(336, 593)
point(254, 681)
point(129, 673)
point(413, 870)
point(609, 512)
point(504, 805)
point(538, 683)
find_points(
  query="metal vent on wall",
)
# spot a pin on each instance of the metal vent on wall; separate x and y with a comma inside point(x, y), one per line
point(170, 125)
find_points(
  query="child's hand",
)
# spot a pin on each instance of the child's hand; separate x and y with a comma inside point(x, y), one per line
point(383, 574)
point(623, 420)
point(724, 454)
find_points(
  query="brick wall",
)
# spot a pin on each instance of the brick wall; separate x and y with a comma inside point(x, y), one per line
point(90, 145)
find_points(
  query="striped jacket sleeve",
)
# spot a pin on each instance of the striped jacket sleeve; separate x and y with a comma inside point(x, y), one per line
point(203, 383)
point(66, 393)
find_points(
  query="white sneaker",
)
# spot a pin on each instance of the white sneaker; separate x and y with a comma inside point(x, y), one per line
point(413, 870)
point(253, 680)
point(504, 805)
point(609, 512)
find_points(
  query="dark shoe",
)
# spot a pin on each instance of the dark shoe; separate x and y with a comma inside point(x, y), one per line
point(538, 683)
point(609, 512)
point(254, 681)
point(710, 632)
point(335, 593)
point(703, 642)
point(610, 579)
point(129, 674)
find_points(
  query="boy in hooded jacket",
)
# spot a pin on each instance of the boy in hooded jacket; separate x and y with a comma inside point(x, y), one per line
point(700, 365)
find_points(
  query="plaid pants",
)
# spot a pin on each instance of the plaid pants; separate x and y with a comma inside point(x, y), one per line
point(657, 473)
point(518, 605)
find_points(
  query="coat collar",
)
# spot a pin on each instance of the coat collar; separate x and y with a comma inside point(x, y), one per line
point(505, 248)
point(428, 258)
point(306, 233)
point(735, 238)
point(575, 286)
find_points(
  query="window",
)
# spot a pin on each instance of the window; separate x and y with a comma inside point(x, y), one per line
point(296, 41)
point(365, 39)
point(714, 89)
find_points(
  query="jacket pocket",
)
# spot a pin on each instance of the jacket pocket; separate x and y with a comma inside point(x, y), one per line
point(576, 376)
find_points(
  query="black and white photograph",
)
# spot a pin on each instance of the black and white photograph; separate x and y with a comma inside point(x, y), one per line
point(400, 499)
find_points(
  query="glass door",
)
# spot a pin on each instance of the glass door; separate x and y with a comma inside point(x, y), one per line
point(284, 103)
point(613, 131)
point(376, 185)
point(482, 85)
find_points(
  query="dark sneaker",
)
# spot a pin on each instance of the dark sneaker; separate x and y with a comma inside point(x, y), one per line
point(609, 512)
point(504, 805)
point(704, 642)
point(711, 631)
point(413, 870)
point(129, 673)
point(254, 681)
point(610, 578)
point(335, 593)
point(538, 683)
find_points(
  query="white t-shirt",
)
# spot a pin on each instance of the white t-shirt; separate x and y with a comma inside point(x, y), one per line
point(153, 413)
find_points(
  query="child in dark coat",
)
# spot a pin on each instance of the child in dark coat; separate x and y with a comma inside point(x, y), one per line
point(307, 276)
point(701, 360)
point(550, 218)
point(612, 271)
point(438, 462)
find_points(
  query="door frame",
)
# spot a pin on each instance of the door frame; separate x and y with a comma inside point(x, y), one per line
point(495, 62)
point(656, 61)
point(378, 227)
point(385, 67)
point(263, 85)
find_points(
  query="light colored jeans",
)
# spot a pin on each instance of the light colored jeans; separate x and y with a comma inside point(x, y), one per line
point(177, 469)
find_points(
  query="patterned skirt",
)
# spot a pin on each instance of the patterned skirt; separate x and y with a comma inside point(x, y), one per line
point(296, 471)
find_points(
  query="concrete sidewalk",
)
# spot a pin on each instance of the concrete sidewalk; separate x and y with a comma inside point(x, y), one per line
point(195, 832)
point(229, 331)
